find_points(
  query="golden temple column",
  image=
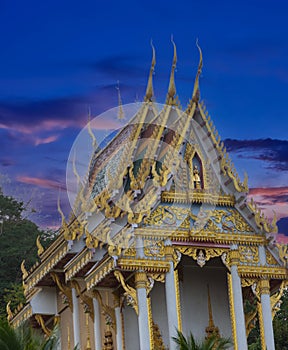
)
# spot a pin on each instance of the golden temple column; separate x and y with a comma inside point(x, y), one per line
point(143, 317)
point(238, 312)
point(266, 315)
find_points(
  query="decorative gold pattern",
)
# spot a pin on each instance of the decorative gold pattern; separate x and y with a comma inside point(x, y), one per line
point(211, 330)
point(270, 259)
point(24, 271)
point(150, 322)
point(46, 266)
point(232, 310)
point(178, 301)
point(148, 265)
point(154, 248)
point(261, 221)
point(261, 326)
point(200, 254)
point(283, 253)
point(21, 316)
point(130, 293)
point(262, 272)
point(97, 274)
point(78, 263)
point(198, 197)
point(249, 254)
point(275, 299)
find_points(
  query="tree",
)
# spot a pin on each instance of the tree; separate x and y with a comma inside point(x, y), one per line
point(18, 236)
point(212, 343)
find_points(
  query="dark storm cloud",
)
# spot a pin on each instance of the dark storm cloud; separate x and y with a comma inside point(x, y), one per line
point(273, 152)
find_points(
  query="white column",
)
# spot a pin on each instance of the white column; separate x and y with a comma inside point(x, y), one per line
point(171, 306)
point(76, 328)
point(97, 325)
point(143, 320)
point(266, 314)
point(241, 339)
point(118, 328)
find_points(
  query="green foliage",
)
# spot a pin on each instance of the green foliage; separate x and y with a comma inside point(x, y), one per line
point(280, 325)
point(189, 343)
point(18, 236)
point(26, 338)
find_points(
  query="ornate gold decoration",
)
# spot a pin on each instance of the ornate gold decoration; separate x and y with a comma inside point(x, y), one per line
point(140, 279)
point(64, 225)
point(234, 257)
point(39, 246)
point(149, 265)
point(275, 299)
point(130, 293)
point(150, 322)
point(65, 290)
point(262, 272)
point(232, 310)
point(24, 271)
point(261, 221)
point(178, 301)
point(250, 320)
point(261, 326)
point(198, 197)
point(68, 338)
point(41, 323)
point(200, 254)
point(264, 286)
point(107, 310)
point(78, 263)
point(283, 253)
point(56, 254)
point(211, 330)
point(159, 277)
point(157, 338)
point(270, 259)
point(249, 254)
point(247, 282)
point(9, 312)
point(154, 248)
point(97, 274)
point(108, 340)
point(21, 315)
point(149, 90)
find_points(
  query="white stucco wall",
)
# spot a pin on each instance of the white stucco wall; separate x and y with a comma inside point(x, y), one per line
point(195, 298)
point(131, 328)
point(159, 312)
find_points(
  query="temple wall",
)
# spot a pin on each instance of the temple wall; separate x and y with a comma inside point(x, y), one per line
point(131, 328)
point(159, 311)
point(194, 298)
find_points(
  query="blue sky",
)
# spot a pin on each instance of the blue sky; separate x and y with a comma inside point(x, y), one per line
point(58, 57)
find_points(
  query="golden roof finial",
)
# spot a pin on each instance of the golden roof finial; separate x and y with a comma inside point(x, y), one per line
point(90, 132)
point(149, 90)
point(24, 271)
point(196, 91)
point(39, 246)
point(63, 220)
point(172, 88)
point(120, 105)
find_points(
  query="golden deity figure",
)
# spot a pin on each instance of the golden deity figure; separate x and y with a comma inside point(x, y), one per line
point(196, 177)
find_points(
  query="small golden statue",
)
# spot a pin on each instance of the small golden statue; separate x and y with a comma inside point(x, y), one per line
point(196, 177)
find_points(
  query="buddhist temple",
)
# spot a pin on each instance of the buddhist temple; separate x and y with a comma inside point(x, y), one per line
point(162, 237)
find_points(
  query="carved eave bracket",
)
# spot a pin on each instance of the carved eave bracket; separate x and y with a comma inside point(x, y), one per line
point(65, 289)
point(130, 293)
point(108, 311)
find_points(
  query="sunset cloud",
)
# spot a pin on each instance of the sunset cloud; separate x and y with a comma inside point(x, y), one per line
point(45, 183)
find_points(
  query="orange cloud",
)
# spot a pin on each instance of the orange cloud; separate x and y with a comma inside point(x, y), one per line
point(45, 183)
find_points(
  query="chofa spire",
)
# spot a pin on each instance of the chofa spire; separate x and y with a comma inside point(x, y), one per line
point(149, 90)
point(171, 100)
point(196, 90)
